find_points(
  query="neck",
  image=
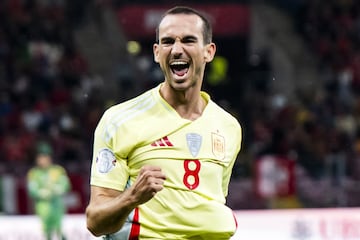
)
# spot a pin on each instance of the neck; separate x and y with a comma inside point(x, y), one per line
point(191, 111)
point(189, 105)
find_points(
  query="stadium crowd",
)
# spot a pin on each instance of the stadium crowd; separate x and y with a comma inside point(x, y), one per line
point(42, 79)
point(320, 129)
point(47, 92)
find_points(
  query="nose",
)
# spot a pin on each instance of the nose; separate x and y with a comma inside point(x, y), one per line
point(177, 47)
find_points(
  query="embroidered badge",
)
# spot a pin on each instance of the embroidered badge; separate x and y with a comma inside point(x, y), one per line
point(218, 145)
point(194, 143)
point(105, 160)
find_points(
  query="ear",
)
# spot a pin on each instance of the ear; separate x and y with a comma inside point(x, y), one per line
point(210, 50)
point(156, 52)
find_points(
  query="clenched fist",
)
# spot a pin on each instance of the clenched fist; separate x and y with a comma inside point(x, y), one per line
point(149, 181)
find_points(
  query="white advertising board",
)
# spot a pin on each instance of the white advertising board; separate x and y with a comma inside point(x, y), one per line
point(301, 224)
point(29, 228)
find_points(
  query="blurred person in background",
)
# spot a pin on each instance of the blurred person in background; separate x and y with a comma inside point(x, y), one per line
point(47, 184)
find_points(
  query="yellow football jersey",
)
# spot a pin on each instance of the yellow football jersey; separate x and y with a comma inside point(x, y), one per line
point(196, 156)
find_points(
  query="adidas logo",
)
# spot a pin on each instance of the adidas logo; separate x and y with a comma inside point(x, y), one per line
point(162, 142)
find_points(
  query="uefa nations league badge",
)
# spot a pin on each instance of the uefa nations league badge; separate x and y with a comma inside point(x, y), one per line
point(194, 143)
point(105, 160)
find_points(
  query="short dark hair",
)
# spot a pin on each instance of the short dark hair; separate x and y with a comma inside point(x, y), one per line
point(207, 28)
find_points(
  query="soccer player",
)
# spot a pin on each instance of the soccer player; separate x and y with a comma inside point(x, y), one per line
point(162, 161)
point(47, 183)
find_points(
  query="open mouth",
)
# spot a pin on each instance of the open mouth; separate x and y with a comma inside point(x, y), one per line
point(180, 68)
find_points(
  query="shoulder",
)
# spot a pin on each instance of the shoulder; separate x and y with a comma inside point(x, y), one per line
point(122, 115)
point(219, 113)
point(130, 108)
point(58, 168)
point(223, 114)
point(32, 172)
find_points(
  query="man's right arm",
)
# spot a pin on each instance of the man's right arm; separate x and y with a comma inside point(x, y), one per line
point(109, 208)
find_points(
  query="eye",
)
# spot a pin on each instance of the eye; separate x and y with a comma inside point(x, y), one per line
point(189, 39)
point(167, 41)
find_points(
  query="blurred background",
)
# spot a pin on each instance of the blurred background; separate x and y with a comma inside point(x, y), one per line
point(289, 70)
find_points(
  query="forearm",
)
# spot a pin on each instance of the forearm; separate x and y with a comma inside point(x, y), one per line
point(109, 208)
point(107, 215)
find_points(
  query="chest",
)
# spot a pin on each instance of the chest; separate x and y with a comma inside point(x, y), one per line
point(48, 176)
point(191, 142)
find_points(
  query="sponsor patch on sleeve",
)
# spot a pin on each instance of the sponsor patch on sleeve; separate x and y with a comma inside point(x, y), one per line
point(105, 160)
